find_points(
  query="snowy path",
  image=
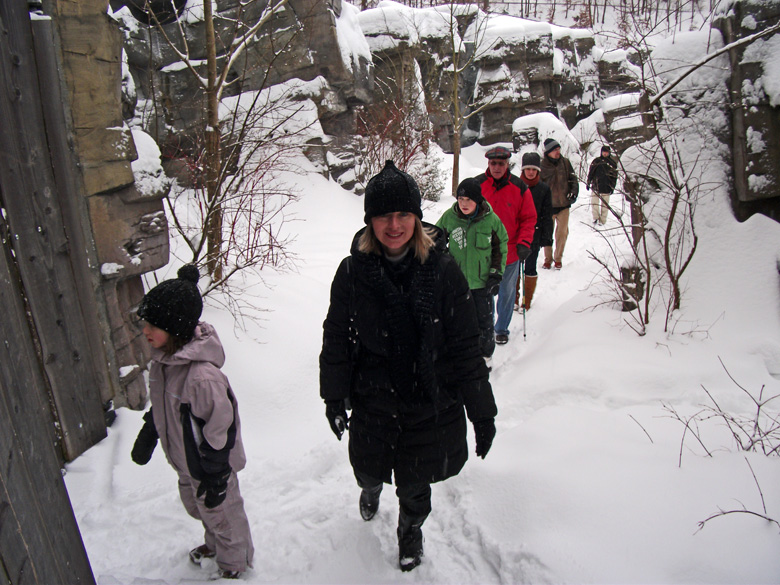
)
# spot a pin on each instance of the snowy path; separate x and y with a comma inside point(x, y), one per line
point(573, 490)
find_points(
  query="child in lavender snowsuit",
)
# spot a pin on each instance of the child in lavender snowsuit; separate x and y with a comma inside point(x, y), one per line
point(194, 414)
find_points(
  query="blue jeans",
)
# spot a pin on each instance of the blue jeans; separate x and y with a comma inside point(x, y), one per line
point(506, 298)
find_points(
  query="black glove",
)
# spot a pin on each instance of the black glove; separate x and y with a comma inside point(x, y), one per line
point(571, 197)
point(337, 417)
point(484, 432)
point(215, 488)
point(523, 252)
point(493, 283)
point(146, 441)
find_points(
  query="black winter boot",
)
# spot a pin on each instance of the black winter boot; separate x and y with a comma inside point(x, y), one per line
point(410, 543)
point(369, 501)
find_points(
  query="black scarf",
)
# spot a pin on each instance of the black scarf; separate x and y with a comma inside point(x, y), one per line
point(407, 291)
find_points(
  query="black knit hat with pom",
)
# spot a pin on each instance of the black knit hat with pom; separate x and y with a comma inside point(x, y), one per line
point(392, 190)
point(174, 305)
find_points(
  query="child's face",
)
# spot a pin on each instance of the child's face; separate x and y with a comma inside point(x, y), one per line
point(156, 337)
point(467, 205)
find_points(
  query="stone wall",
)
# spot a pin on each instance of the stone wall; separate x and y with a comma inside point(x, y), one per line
point(171, 101)
point(755, 121)
point(540, 72)
point(128, 227)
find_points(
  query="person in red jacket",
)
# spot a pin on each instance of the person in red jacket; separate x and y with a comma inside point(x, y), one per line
point(512, 201)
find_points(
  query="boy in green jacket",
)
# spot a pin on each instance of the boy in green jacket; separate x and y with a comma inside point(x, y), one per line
point(478, 242)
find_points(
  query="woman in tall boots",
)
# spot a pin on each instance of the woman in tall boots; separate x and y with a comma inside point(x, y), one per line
point(543, 233)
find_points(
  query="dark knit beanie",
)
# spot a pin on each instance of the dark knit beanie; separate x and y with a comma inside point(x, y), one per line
point(550, 144)
point(605, 148)
point(498, 152)
point(472, 189)
point(531, 160)
point(174, 305)
point(392, 190)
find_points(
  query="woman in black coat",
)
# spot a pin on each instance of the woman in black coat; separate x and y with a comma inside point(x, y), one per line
point(401, 349)
point(543, 232)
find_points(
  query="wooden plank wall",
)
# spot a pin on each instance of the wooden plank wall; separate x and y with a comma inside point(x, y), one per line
point(47, 373)
point(44, 252)
point(40, 541)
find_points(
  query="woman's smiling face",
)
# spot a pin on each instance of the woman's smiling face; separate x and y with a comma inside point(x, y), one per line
point(394, 230)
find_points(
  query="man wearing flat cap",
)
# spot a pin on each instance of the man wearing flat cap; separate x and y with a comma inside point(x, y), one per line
point(512, 201)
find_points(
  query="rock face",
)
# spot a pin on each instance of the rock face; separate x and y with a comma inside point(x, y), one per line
point(530, 67)
point(755, 114)
point(568, 87)
point(528, 72)
point(128, 225)
point(171, 100)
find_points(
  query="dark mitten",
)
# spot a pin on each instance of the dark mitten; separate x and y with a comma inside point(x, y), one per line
point(146, 441)
point(484, 431)
point(523, 252)
point(572, 197)
point(337, 416)
point(493, 283)
point(215, 488)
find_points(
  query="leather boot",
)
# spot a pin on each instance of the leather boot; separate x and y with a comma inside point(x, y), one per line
point(530, 288)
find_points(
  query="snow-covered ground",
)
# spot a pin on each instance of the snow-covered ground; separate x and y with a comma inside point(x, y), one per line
point(583, 483)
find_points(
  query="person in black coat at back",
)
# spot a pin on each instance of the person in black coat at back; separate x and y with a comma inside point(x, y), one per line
point(543, 232)
point(401, 349)
point(602, 178)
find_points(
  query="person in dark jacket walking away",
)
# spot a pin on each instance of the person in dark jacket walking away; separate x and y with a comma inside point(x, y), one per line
point(477, 240)
point(557, 172)
point(194, 415)
point(531, 165)
point(602, 178)
point(512, 202)
point(401, 349)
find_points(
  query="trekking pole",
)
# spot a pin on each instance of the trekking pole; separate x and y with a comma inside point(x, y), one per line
point(522, 284)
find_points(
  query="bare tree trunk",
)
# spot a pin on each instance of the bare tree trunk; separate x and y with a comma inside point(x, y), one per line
point(456, 127)
point(213, 155)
